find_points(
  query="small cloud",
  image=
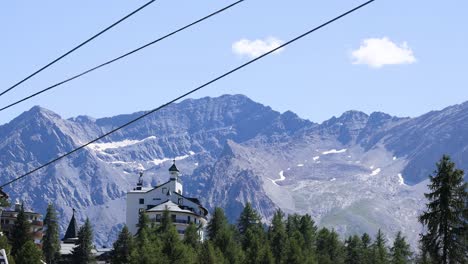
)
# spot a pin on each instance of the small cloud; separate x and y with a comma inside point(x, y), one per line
point(376, 53)
point(255, 48)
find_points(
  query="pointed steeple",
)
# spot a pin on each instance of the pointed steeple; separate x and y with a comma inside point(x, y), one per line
point(173, 168)
point(72, 231)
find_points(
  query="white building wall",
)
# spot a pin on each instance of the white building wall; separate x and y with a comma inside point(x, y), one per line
point(153, 197)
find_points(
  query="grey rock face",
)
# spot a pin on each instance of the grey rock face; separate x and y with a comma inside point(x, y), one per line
point(356, 173)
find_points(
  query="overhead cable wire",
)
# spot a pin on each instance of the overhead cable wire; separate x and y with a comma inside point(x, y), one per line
point(189, 92)
point(122, 56)
point(77, 47)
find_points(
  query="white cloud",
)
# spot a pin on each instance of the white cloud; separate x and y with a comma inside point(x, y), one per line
point(377, 52)
point(255, 48)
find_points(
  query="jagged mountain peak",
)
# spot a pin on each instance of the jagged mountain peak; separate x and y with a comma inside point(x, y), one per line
point(230, 150)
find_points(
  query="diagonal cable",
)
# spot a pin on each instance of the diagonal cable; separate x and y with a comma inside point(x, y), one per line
point(189, 92)
point(120, 57)
point(77, 47)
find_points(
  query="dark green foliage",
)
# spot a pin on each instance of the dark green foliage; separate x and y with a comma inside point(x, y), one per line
point(143, 223)
point(4, 202)
point(173, 248)
point(29, 253)
point(209, 254)
point(248, 219)
point(50, 240)
point(191, 236)
point(222, 235)
point(82, 252)
point(446, 215)
point(5, 245)
point(379, 249)
point(366, 255)
point(123, 247)
point(329, 248)
point(277, 237)
point(400, 252)
point(354, 250)
point(308, 230)
point(21, 232)
point(217, 224)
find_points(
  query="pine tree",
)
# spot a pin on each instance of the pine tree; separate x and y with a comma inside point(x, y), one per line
point(172, 247)
point(143, 223)
point(296, 252)
point(209, 254)
point(308, 230)
point(277, 237)
point(222, 234)
point(366, 249)
point(217, 224)
point(248, 219)
point(4, 244)
point(82, 252)
point(29, 253)
point(354, 250)
point(379, 249)
point(329, 247)
point(446, 216)
point(123, 247)
point(192, 237)
point(50, 241)
point(400, 252)
point(21, 232)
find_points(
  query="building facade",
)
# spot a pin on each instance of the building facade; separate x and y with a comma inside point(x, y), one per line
point(167, 196)
point(8, 220)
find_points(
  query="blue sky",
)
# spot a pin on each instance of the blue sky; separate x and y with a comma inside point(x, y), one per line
point(315, 77)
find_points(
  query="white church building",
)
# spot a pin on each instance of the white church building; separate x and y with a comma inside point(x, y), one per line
point(167, 196)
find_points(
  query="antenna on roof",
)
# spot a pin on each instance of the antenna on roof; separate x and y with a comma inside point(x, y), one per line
point(140, 181)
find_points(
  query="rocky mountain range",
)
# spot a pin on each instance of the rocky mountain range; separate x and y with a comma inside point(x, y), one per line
point(355, 173)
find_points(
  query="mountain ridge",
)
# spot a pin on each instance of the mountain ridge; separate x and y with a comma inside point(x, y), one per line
point(232, 150)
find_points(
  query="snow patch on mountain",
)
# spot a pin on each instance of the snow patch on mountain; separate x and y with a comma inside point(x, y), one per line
point(375, 172)
point(161, 161)
point(117, 144)
point(400, 179)
point(334, 151)
point(282, 178)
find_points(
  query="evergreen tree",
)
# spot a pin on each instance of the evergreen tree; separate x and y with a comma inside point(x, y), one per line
point(354, 250)
point(446, 218)
point(29, 253)
point(400, 252)
point(423, 257)
point(210, 254)
point(329, 247)
point(123, 247)
point(50, 240)
point(366, 256)
point(379, 249)
point(217, 224)
point(4, 244)
point(82, 252)
point(21, 232)
point(277, 237)
point(192, 237)
point(171, 246)
point(221, 233)
point(147, 249)
point(248, 219)
point(293, 224)
point(143, 223)
point(297, 250)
